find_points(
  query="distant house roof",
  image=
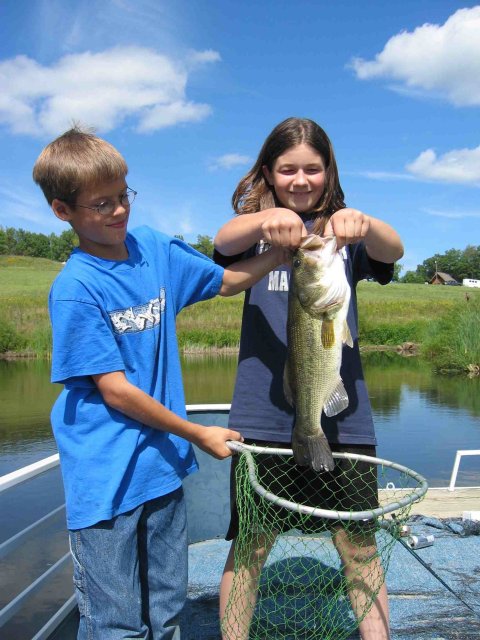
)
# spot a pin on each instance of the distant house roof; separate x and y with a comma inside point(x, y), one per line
point(442, 278)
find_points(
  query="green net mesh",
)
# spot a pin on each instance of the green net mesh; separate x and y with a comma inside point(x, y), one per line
point(298, 576)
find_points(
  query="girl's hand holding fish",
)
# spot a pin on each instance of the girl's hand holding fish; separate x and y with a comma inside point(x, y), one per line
point(382, 242)
point(277, 226)
point(283, 228)
point(348, 225)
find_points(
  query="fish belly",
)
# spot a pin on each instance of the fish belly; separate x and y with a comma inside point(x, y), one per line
point(313, 372)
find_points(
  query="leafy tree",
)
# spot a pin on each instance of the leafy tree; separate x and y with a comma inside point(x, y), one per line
point(3, 242)
point(62, 246)
point(10, 241)
point(471, 262)
point(412, 277)
point(204, 245)
point(31, 244)
point(396, 272)
point(41, 245)
point(458, 263)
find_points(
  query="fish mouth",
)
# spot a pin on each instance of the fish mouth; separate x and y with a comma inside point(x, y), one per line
point(316, 249)
point(314, 241)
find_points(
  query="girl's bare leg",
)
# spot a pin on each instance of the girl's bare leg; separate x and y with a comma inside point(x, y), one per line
point(236, 612)
point(364, 573)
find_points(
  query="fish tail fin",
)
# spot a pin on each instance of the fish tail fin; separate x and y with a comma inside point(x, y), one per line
point(313, 451)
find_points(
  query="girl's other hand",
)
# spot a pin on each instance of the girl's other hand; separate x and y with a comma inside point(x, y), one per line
point(348, 225)
point(283, 228)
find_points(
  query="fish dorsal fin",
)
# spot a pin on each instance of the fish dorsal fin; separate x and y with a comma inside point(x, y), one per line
point(328, 334)
point(338, 400)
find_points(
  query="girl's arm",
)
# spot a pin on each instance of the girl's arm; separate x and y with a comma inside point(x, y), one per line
point(382, 242)
point(120, 394)
point(279, 227)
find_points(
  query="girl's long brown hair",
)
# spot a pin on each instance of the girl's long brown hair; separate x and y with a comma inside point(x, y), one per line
point(253, 192)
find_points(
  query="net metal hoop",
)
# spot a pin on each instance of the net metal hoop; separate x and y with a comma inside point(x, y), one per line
point(415, 494)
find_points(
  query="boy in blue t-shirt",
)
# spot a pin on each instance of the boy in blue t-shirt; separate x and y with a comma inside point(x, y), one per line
point(120, 421)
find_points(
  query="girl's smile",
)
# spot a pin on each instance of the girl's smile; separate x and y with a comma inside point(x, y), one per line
point(298, 178)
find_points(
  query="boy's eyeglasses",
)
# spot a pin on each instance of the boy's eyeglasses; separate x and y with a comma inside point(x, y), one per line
point(107, 207)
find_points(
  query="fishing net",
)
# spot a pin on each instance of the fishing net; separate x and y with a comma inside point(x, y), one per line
point(310, 561)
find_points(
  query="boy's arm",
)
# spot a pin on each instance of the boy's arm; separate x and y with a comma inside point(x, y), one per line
point(382, 242)
point(279, 227)
point(120, 394)
point(243, 274)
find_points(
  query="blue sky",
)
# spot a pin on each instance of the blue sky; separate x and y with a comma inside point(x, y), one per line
point(188, 90)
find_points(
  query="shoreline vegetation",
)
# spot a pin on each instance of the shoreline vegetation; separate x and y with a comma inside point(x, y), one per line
point(438, 323)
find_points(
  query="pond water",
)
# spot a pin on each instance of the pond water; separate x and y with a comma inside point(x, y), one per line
point(421, 418)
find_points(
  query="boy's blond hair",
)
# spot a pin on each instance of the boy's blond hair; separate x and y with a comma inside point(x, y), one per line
point(76, 160)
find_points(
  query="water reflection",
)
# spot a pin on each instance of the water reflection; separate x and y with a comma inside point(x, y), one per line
point(26, 397)
point(209, 378)
point(421, 418)
point(388, 374)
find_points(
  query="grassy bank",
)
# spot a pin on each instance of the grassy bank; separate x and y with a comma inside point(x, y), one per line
point(438, 318)
point(443, 321)
point(24, 286)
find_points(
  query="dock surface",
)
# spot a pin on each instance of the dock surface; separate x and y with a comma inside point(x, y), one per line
point(443, 503)
point(421, 608)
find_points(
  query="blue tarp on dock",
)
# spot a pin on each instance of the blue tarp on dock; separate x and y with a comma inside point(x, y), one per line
point(421, 608)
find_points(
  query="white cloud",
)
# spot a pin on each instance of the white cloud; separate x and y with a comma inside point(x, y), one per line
point(102, 24)
point(200, 57)
point(441, 60)
point(99, 89)
point(228, 161)
point(452, 214)
point(167, 115)
point(457, 166)
point(386, 175)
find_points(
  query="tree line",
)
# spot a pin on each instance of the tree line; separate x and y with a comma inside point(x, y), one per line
point(458, 263)
point(18, 242)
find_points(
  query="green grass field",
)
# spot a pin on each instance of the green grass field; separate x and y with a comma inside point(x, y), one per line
point(437, 317)
point(24, 286)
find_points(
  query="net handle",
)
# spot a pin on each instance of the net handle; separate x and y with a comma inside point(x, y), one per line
point(414, 496)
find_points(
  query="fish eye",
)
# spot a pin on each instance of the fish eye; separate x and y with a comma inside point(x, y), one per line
point(297, 262)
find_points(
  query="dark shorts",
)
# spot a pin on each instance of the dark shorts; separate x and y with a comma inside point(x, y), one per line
point(351, 486)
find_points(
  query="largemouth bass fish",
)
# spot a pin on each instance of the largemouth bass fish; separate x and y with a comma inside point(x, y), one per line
point(317, 328)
